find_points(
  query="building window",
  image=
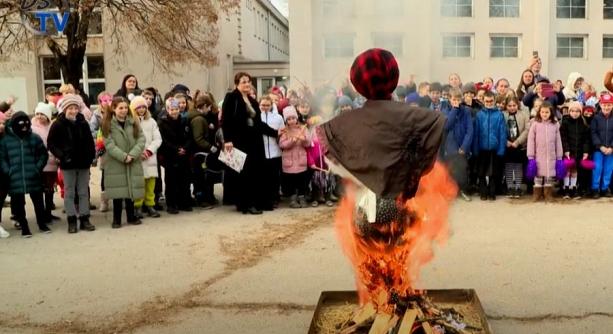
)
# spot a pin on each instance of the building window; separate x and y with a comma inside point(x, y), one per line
point(337, 8)
point(457, 46)
point(392, 42)
point(389, 8)
point(504, 46)
point(93, 81)
point(504, 8)
point(607, 46)
point(607, 10)
point(457, 8)
point(570, 46)
point(338, 45)
point(570, 9)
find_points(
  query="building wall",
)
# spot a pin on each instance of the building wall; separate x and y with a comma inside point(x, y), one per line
point(421, 27)
point(22, 75)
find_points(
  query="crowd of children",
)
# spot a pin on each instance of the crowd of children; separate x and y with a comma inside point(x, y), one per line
point(535, 139)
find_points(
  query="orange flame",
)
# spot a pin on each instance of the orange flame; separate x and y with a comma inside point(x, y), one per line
point(390, 260)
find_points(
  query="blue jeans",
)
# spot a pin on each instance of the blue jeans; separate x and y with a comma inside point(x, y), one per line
point(601, 179)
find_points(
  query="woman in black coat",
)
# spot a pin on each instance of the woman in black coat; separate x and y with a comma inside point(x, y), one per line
point(129, 87)
point(243, 129)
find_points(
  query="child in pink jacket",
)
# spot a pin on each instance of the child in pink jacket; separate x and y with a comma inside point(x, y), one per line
point(293, 144)
point(545, 147)
point(322, 182)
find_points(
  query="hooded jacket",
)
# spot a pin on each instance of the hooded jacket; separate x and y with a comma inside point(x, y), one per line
point(490, 132)
point(199, 127)
point(43, 132)
point(569, 90)
point(22, 159)
point(545, 145)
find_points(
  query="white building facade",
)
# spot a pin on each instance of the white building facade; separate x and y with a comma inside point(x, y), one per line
point(431, 39)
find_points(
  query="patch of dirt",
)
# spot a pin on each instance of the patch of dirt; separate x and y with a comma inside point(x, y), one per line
point(242, 251)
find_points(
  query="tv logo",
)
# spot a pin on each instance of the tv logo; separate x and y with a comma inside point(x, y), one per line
point(46, 15)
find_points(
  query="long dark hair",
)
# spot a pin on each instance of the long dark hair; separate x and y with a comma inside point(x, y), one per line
point(123, 91)
point(109, 113)
point(521, 80)
point(552, 114)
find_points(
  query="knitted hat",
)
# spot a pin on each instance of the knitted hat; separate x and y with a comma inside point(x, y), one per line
point(43, 108)
point(374, 74)
point(289, 112)
point(138, 101)
point(344, 101)
point(469, 88)
point(68, 100)
point(575, 105)
point(606, 98)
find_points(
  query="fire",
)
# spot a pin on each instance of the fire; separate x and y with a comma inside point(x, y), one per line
point(388, 259)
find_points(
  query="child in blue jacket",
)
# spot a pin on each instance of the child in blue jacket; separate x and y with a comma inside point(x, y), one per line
point(458, 140)
point(489, 143)
point(602, 140)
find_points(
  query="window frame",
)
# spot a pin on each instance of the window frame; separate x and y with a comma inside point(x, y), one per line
point(504, 7)
point(570, 8)
point(570, 47)
point(604, 9)
point(605, 36)
point(386, 37)
point(338, 36)
point(505, 36)
point(456, 8)
point(84, 82)
point(471, 38)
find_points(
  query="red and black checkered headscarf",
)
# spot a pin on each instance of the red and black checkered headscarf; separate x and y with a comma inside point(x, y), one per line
point(374, 74)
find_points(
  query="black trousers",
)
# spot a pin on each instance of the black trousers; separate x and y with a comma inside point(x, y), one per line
point(177, 186)
point(118, 209)
point(272, 180)
point(158, 190)
point(18, 206)
point(490, 167)
point(297, 183)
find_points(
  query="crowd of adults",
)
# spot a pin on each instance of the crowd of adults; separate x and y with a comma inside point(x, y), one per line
point(543, 135)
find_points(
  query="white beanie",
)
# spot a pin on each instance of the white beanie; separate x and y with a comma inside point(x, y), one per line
point(43, 108)
point(288, 112)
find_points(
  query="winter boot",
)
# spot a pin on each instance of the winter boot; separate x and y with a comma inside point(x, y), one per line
point(104, 203)
point(151, 212)
point(537, 194)
point(85, 224)
point(566, 193)
point(548, 193)
point(43, 228)
point(574, 194)
point(72, 224)
point(293, 203)
point(302, 201)
point(138, 213)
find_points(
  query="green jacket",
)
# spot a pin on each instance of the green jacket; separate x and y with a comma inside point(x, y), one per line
point(123, 180)
point(23, 160)
point(200, 131)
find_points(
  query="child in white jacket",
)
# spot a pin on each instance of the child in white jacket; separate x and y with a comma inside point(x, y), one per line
point(139, 108)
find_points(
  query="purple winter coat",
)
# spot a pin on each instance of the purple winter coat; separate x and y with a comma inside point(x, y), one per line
point(545, 145)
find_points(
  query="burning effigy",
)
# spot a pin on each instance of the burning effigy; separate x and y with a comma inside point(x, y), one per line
point(395, 207)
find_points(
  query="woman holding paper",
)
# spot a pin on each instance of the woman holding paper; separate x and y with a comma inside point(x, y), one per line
point(243, 128)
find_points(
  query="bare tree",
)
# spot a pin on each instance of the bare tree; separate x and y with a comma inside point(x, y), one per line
point(175, 31)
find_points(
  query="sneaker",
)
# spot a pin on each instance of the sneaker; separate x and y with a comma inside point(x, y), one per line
point(302, 201)
point(329, 203)
point(3, 233)
point(172, 210)
point(596, 194)
point(465, 197)
point(483, 197)
point(315, 204)
point(44, 229)
point(607, 193)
